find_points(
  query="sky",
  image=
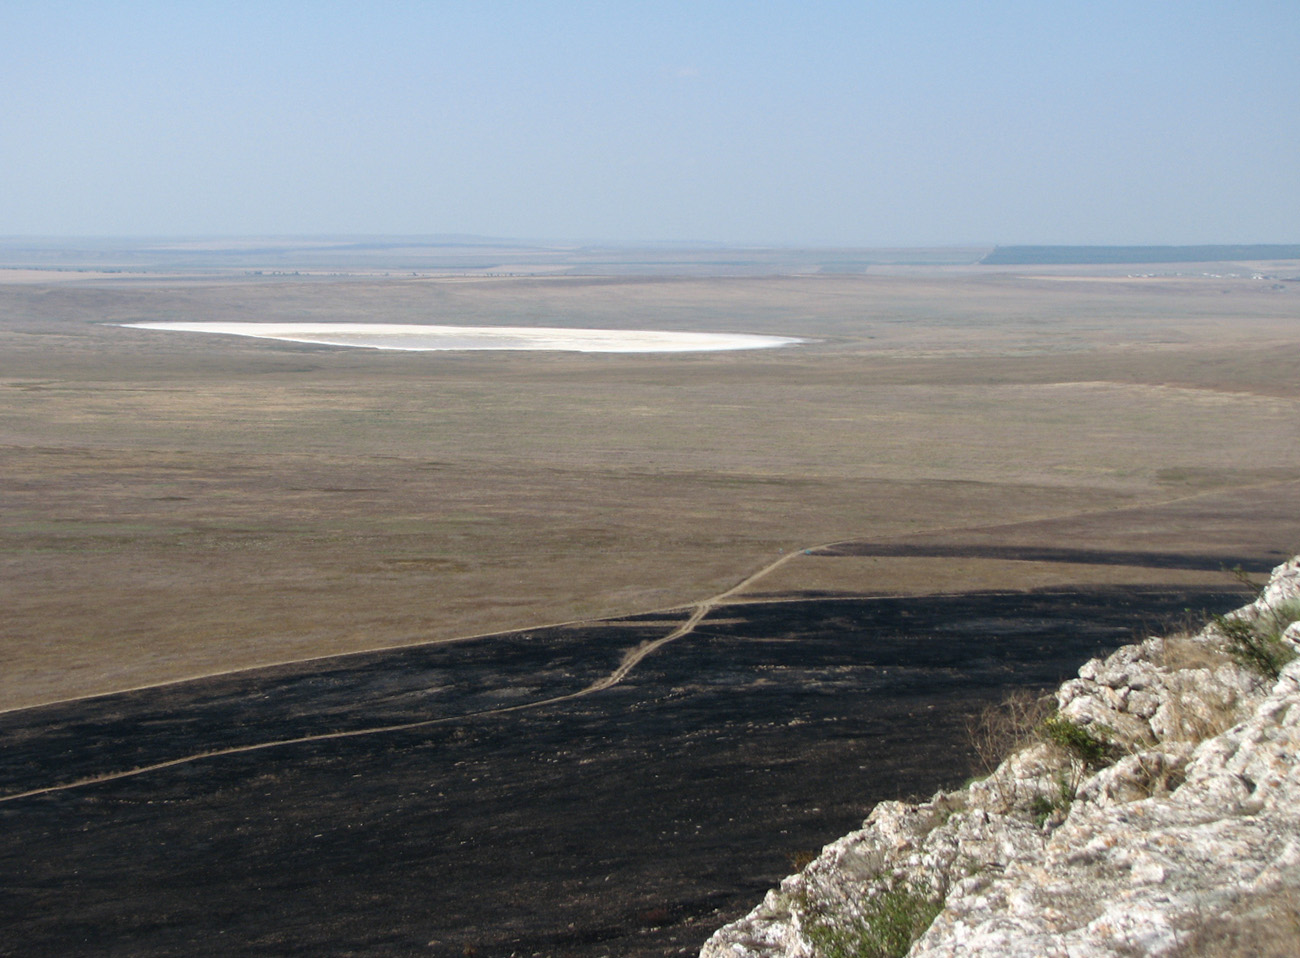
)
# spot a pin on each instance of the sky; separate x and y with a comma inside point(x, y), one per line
point(871, 123)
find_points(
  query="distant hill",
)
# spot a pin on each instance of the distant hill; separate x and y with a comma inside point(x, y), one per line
point(1030, 255)
point(456, 255)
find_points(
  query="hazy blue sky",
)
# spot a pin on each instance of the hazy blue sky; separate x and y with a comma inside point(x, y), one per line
point(868, 123)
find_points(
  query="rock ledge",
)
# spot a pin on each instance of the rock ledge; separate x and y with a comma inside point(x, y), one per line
point(1159, 814)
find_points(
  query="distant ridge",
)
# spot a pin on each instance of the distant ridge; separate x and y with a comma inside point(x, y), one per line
point(1030, 255)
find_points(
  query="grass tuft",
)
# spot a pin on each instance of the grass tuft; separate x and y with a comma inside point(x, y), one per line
point(1263, 926)
point(1043, 807)
point(884, 926)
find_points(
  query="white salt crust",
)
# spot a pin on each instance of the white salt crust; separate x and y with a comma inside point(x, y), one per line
point(429, 338)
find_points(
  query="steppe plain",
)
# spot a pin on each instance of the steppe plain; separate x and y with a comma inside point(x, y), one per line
point(177, 505)
point(970, 479)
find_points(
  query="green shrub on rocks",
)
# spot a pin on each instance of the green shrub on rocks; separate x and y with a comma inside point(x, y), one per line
point(1043, 807)
point(1257, 644)
point(1079, 741)
point(883, 926)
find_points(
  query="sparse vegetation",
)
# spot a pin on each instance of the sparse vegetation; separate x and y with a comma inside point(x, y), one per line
point(802, 859)
point(1159, 777)
point(1194, 718)
point(1267, 926)
point(1043, 807)
point(1000, 729)
point(1089, 745)
point(1257, 643)
point(1181, 651)
point(883, 926)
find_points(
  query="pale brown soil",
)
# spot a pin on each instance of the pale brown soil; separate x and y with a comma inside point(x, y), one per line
point(174, 506)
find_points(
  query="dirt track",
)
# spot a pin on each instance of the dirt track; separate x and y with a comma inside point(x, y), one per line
point(518, 812)
point(698, 612)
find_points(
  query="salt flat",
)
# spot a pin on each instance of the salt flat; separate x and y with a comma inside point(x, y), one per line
point(406, 336)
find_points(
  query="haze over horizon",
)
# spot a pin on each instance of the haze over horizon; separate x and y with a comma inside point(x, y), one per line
point(876, 124)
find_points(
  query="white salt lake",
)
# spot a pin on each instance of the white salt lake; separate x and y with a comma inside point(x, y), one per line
point(428, 338)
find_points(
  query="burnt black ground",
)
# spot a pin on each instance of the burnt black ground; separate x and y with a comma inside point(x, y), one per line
point(1147, 559)
point(629, 822)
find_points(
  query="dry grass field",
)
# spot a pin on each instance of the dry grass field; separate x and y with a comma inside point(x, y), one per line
point(174, 505)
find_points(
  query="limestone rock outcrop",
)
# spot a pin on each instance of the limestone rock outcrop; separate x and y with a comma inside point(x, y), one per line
point(1155, 812)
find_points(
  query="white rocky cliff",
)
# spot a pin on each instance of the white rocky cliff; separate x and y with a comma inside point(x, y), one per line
point(1156, 812)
